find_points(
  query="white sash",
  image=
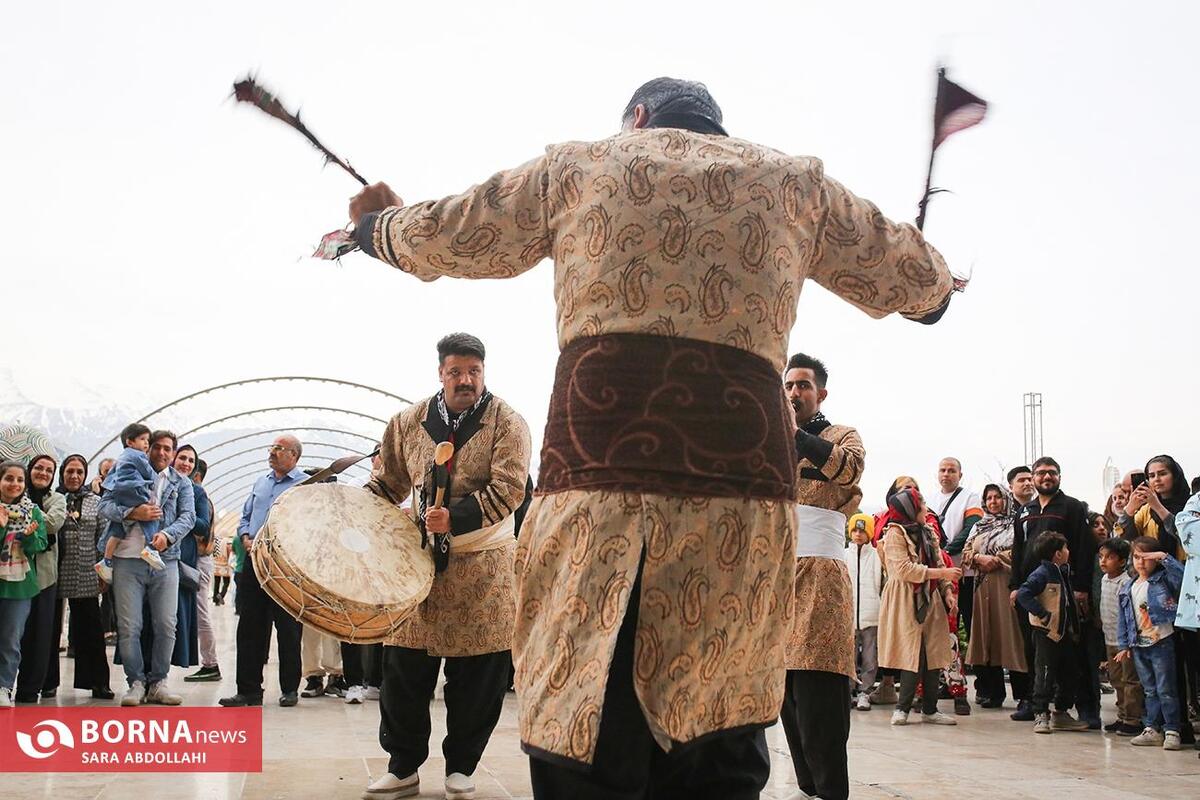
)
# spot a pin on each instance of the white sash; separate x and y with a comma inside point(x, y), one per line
point(489, 538)
point(820, 533)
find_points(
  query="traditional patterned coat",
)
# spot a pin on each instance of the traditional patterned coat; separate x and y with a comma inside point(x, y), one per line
point(668, 233)
point(822, 636)
point(471, 607)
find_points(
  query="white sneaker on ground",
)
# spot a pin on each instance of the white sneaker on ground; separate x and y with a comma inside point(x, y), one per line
point(356, 694)
point(459, 786)
point(864, 702)
point(1147, 738)
point(373, 693)
point(151, 557)
point(134, 694)
point(899, 717)
point(5, 697)
point(158, 695)
point(1171, 740)
point(389, 787)
point(1041, 724)
point(938, 718)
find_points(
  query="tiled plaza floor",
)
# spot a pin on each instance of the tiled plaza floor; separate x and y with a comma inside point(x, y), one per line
point(324, 748)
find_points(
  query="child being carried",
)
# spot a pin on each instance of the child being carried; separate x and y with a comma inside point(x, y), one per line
point(130, 483)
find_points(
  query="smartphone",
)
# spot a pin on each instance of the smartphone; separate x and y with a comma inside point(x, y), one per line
point(1137, 479)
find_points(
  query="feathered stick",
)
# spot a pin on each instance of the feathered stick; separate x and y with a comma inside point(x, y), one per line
point(247, 90)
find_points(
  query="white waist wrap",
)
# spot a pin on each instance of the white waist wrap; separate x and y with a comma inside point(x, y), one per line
point(489, 538)
point(820, 533)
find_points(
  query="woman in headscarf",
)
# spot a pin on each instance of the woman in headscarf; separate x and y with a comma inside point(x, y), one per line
point(917, 603)
point(996, 641)
point(38, 646)
point(187, 623)
point(22, 536)
point(78, 583)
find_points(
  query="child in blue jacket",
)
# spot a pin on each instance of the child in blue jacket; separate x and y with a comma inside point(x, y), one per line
point(130, 483)
point(1145, 632)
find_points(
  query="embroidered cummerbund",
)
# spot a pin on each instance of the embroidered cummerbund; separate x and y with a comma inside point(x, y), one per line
point(668, 416)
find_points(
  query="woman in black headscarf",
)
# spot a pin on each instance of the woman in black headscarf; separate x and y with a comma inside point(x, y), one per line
point(37, 647)
point(78, 583)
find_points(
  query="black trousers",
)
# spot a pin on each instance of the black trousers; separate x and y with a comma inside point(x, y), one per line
point(352, 663)
point(1187, 660)
point(257, 613)
point(36, 644)
point(85, 630)
point(989, 682)
point(373, 665)
point(1030, 655)
point(966, 603)
point(53, 677)
point(1055, 672)
point(816, 720)
point(1088, 655)
point(629, 764)
point(474, 697)
point(220, 586)
point(929, 686)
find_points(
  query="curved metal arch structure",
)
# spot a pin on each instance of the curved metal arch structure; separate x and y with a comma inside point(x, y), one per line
point(248, 381)
point(260, 448)
point(292, 430)
point(269, 409)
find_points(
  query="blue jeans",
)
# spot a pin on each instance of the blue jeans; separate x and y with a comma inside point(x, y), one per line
point(1156, 671)
point(12, 624)
point(135, 581)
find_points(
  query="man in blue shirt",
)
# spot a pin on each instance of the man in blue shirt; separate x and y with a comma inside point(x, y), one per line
point(258, 610)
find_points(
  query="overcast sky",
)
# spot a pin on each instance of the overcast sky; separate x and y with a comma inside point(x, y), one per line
point(155, 235)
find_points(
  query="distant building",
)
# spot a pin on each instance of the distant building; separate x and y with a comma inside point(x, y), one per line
point(1112, 476)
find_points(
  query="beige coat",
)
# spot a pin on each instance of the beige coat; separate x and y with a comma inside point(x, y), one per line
point(900, 636)
point(995, 636)
point(673, 234)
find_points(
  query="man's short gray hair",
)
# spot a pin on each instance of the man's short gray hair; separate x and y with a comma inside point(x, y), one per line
point(674, 95)
point(293, 443)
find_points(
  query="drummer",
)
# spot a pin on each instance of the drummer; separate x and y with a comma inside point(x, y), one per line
point(256, 610)
point(468, 617)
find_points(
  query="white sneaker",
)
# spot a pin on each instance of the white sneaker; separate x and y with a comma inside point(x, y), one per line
point(864, 702)
point(459, 786)
point(5, 697)
point(899, 717)
point(938, 718)
point(134, 694)
point(158, 694)
point(151, 557)
point(356, 694)
point(373, 693)
point(104, 570)
point(389, 787)
point(1171, 740)
point(1147, 738)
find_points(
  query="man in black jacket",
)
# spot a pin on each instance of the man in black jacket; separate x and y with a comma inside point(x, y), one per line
point(1053, 511)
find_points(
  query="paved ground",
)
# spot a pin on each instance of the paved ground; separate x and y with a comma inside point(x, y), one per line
point(326, 749)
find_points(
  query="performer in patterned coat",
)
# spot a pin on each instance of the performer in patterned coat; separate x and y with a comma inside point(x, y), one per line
point(467, 619)
point(820, 652)
point(656, 568)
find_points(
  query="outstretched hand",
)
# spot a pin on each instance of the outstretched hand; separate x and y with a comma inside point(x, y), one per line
point(375, 197)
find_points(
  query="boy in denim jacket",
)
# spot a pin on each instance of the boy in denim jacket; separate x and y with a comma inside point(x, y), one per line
point(1145, 633)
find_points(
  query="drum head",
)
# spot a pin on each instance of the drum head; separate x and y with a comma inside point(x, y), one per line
point(354, 545)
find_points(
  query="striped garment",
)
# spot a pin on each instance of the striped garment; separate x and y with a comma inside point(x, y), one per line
point(1109, 609)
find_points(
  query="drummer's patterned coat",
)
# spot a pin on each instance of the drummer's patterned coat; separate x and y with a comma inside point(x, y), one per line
point(472, 605)
point(669, 233)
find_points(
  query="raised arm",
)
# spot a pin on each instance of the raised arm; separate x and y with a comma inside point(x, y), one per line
point(497, 229)
point(878, 265)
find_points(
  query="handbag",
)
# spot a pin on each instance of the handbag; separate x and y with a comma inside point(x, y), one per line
point(189, 577)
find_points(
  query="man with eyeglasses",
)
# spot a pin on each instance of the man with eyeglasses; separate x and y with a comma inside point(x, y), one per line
point(1052, 511)
point(257, 610)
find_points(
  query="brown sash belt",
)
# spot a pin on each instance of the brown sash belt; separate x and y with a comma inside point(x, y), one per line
point(668, 416)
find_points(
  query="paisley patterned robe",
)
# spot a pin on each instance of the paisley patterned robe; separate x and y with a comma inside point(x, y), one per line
point(676, 234)
point(471, 607)
point(822, 636)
